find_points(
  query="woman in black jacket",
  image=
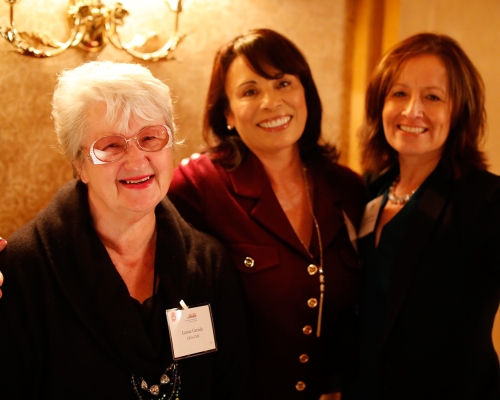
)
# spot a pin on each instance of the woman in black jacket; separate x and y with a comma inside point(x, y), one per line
point(430, 235)
point(89, 280)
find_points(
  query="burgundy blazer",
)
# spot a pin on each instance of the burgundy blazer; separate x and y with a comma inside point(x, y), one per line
point(239, 208)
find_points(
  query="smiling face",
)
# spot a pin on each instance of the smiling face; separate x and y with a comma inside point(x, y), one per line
point(136, 183)
point(269, 114)
point(417, 109)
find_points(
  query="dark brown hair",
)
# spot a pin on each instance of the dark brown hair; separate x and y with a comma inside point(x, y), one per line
point(468, 115)
point(264, 50)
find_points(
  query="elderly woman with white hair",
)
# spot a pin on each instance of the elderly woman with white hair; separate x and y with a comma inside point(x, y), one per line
point(89, 280)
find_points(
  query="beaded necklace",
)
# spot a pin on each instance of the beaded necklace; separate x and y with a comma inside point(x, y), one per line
point(171, 378)
point(395, 199)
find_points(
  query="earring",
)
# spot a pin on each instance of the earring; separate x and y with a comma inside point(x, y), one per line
point(229, 127)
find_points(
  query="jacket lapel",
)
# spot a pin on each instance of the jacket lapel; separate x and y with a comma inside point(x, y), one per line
point(250, 180)
point(431, 205)
point(328, 206)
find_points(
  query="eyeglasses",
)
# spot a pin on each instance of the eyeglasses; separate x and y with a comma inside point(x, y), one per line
point(109, 149)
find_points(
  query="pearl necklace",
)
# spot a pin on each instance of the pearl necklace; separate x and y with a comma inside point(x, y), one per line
point(399, 200)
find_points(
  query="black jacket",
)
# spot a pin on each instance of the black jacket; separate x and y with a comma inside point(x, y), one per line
point(69, 328)
point(443, 293)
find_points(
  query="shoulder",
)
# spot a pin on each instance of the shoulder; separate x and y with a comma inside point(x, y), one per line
point(23, 263)
point(378, 182)
point(196, 173)
point(345, 188)
point(345, 183)
point(206, 261)
point(22, 243)
point(478, 191)
point(480, 180)
point(61, 207)
point(197, 165)
point(470, 202)
point(28, 247)
point(195, 242)
point(342, 176)
point(194, 182)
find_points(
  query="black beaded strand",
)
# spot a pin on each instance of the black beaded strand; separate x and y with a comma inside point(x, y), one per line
point(174, 381)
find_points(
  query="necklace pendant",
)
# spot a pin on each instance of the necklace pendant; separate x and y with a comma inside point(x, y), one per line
point(164, 379)
point(170, 384)
point(321, 297)
point(154, 390)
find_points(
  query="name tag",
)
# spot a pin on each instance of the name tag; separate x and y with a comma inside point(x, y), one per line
point(191, 331)
point(351, 230)
point(370, 217)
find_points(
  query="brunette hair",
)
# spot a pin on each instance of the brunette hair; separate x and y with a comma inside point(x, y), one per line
point(264, 50)
point(466, 89)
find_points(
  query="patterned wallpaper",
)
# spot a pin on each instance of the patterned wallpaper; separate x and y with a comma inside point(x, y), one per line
point(31, 169)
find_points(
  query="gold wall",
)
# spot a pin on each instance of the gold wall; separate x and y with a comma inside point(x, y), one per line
point(474, 24)
point(31, 170)
point(340, 38)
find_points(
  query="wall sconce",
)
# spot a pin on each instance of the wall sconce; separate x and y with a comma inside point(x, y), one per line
point(93, 26)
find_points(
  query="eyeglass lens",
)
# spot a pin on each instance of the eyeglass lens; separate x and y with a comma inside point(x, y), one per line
point(150, 138)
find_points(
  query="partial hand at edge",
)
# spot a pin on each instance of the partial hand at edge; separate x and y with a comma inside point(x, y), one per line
point(3, 243)
point(331, 396)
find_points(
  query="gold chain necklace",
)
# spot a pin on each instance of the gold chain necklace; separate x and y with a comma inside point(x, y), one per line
point(320, 269)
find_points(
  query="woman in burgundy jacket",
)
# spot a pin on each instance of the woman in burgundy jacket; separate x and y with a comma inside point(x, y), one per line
point(286, 211)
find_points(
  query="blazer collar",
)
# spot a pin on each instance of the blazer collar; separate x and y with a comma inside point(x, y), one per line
point(250, 180)
point(94, 289)
point(437, 191)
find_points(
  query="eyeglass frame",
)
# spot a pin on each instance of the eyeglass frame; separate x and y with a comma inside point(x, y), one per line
point(94, 160)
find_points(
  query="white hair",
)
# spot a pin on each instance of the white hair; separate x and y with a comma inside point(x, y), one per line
point(128, 90)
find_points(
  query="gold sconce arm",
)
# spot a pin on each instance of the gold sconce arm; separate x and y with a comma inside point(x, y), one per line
point(161, 54)
point(24, 46)
point(140, 40)
point(92, 26)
